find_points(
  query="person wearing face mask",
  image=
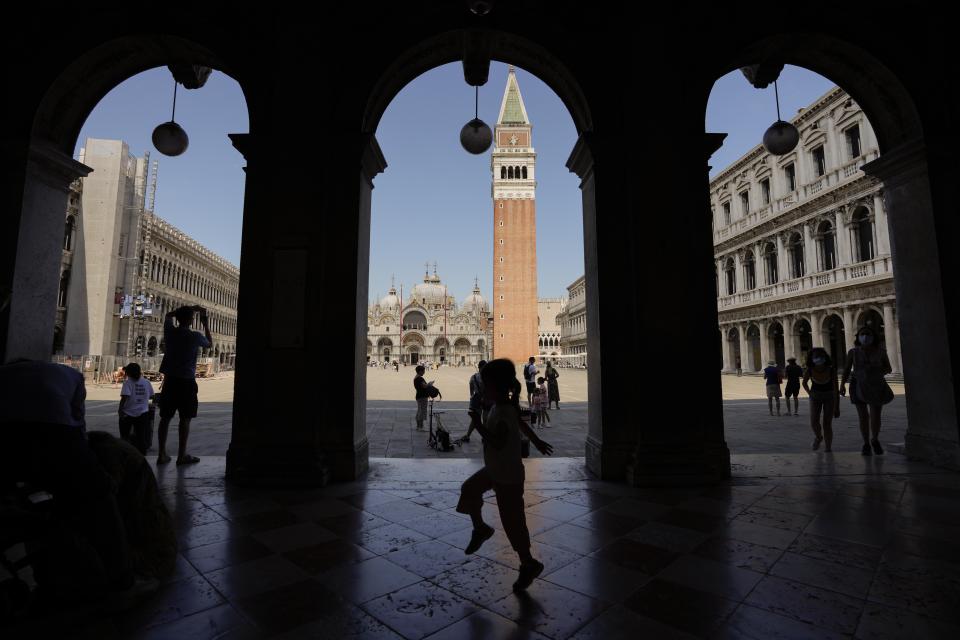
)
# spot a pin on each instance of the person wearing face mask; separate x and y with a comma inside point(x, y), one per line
point(820, 383)
point(866, 366)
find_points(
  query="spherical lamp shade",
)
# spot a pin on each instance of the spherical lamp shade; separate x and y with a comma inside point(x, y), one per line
point(170, 139)
point(781, 138)
point(476, 136)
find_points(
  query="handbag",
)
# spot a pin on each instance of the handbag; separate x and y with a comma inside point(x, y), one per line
point(886, 395)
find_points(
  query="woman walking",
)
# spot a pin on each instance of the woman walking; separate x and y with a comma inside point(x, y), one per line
point(820, 383)
point(866, 366)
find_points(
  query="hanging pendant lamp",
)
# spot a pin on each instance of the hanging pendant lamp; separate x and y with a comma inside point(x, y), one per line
point(475, 136)
point(782, 137)
point(169, 138)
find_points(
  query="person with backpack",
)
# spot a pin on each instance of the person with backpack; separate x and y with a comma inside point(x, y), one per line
point(530, 377)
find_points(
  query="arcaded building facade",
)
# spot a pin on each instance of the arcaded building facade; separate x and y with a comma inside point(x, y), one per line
point(573, 324)
point(548, 325)
point(123, 267)
point(429, 326)
point(802, 244)
point(514, 229)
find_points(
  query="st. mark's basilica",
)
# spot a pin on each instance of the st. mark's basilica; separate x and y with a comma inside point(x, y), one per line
point(428, 324)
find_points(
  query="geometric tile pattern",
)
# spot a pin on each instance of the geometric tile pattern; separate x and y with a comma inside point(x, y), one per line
point(848, 554)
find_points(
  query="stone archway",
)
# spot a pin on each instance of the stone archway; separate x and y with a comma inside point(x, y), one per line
point(834, 341)
point(775, 338)
point(753, 349)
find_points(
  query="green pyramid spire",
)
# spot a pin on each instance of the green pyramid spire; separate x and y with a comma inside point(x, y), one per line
point(512, 109)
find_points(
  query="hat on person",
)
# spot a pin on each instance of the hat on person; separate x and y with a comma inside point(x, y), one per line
point(791, 359)
point(772, 363)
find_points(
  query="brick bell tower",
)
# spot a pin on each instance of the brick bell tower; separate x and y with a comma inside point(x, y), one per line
point(514, 230)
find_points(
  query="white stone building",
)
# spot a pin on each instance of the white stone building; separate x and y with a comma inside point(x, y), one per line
point(801, 244)
point(548, 325)
point(117, 248)
point(573, 324)
point(429, 325)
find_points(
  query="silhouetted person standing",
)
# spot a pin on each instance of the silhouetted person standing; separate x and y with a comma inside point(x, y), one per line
point(179, 368)
point(869, 390)
point(553, 388)
point(794, 372)
point(422, 396)
point(820, 382)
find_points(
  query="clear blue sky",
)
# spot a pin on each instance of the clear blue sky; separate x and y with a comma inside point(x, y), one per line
point(744, 113)
point(433, 201)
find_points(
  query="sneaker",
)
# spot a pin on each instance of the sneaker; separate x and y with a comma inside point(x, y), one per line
point(795, 413)
point(528, 571)
point(816, 443)
point(877, 449)
point(465, 439)
point(477, 538)
point(866, 450)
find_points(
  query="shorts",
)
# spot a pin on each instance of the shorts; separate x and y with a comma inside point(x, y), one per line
point(531, 387)
point(792, 389)
point(773, 391)
point(178, 395)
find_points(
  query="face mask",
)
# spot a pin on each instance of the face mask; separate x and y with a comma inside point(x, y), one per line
point(866, 340)
point(818, 361)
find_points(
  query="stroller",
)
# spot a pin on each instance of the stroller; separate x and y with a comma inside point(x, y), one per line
point(439, 439)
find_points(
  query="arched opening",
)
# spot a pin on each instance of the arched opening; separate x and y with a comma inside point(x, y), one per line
point(771, 263)
point(475, 327)
point(91, 172)
point(795, 252)
point(731, 275)
point(749, 272)
point(803, 339)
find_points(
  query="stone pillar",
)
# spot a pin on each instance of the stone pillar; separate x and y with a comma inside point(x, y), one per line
point(746, 362)
point(849, 327)
point(728, 364)
point(789, 345)
point(738, 272)
point(922, 239)
point(28, 321)
point(764, 344)
point(816, 329)
point(881, 224)
point(783, 270)
point(809, 251)
point(843, 239)
point(689, 450)
point(759, 265)
point(891, 337)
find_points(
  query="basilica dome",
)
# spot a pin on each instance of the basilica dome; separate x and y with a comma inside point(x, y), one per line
point(391, 300)
point(475, 301)
point(430, 291)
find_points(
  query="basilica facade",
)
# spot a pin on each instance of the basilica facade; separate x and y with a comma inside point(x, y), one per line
point(429, 325)
point(802, 246)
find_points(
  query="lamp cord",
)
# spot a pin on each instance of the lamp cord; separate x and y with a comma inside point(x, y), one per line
point(173, 115)
point(476, 103)
point(776, 93)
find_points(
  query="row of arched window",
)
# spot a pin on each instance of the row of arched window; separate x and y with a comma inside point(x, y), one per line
point(175, 276)
point(825, 237)
point(549, 341)
point(513, 173)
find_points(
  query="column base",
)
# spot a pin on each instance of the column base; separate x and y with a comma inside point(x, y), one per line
point(276, 467)
point(606, 463)
point(934, 451)
point(668, 465)
point(348, 464)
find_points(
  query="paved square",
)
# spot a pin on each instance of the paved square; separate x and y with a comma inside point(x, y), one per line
point(391, 410)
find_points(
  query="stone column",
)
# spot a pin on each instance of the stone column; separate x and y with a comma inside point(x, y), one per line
point(925, 264)
point(27, 323)
point(759, 265)
point(783, 270)
point(849, 327)
point(809, 251)
point(764, 344)
point(691, 449)
point(728, 364)
point(881, 224)
point(843, 239)
point(746, 362)
point(816, 328)
point(891, 337)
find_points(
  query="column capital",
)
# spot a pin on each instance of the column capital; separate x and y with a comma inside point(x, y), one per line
point(903, 163)
point(53, 167)
point(583, 156)
point(372, 160)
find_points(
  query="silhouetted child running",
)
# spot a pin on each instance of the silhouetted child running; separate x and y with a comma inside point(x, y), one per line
point(503, 469)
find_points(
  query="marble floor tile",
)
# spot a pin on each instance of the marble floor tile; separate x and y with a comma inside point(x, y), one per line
point(485, 625)
point(751, 623)
point(828, 609)
point(554, 611)
point(255, 576)
point(745, 555)
point(419, 610)
point(691, 610)
point(366, 580)
point(711, 576)
point(427, 559)
point(620, 623)
point(324, 556)
point(218, 555)
point(826, 575)
point(598, 579)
